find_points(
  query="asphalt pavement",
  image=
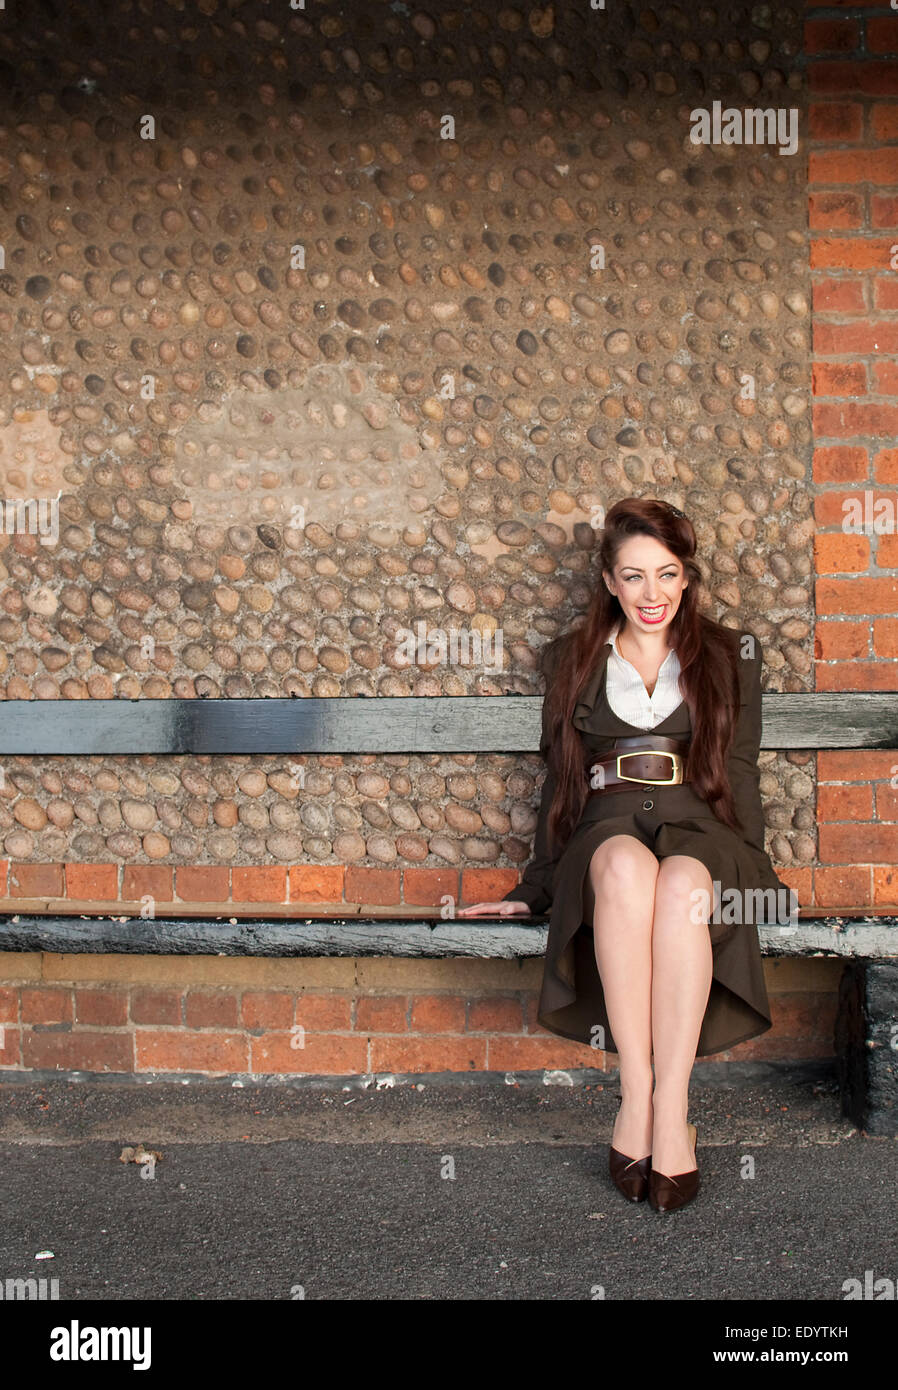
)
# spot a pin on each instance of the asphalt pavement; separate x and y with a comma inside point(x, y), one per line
point(444, 1188)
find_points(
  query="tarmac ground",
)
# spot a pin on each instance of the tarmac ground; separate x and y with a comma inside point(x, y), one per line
point(434, 1188)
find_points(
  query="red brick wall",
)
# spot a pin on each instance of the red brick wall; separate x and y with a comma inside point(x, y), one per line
point(853, 217)
point(236, 1017)
point(333, 887)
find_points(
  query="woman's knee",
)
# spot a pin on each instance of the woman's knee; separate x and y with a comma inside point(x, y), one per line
point(623, 859)
point(683, 875)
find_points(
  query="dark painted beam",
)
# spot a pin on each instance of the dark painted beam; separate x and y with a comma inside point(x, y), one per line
point(442, 724)
point(486, 937)
point(309, 936)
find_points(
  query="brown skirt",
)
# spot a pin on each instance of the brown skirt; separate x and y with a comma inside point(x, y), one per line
point(572, 1001)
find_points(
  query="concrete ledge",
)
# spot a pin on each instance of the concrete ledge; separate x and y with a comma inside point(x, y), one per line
point(801, 1071)
point(867, 937)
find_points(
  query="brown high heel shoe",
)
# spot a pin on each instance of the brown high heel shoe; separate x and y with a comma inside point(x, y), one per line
point(629, 1175)
point(669, 1194)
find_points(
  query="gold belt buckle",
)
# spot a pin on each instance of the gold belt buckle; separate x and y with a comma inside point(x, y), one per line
point(676, 765)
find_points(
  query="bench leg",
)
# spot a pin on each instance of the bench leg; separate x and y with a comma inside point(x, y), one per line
point(867, 1044)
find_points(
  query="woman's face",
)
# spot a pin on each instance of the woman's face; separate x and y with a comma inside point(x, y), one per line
point(648, 580)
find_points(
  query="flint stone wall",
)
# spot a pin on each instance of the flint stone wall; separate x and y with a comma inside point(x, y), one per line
point(268, 462)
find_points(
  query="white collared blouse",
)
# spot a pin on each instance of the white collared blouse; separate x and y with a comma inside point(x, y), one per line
point(626, 690)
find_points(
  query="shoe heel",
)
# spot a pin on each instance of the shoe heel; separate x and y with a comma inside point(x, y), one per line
point(669, 1194)
point(629, 1175)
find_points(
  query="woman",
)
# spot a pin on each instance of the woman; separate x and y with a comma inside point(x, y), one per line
point(653, 865)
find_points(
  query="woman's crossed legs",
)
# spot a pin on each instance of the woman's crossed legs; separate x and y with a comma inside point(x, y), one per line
point(655, 965)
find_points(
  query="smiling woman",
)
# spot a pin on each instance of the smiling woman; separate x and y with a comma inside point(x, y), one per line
point(666, 705)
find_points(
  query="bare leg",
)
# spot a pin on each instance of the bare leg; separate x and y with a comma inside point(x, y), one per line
point(622, 875)
point(681, 983)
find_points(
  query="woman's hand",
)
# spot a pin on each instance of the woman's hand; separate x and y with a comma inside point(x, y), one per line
point(500, 909)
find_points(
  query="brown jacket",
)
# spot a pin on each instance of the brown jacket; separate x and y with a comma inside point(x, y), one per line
point(535, 888)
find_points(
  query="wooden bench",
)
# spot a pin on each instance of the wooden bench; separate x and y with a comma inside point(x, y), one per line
point(867, 1026)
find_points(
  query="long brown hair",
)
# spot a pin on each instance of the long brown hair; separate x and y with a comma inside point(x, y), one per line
point(706, 651)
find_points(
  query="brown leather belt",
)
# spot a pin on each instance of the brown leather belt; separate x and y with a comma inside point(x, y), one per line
point(658, 763)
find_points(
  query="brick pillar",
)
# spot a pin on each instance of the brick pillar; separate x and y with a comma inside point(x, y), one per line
point(853, 216)
point(867, 1045)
